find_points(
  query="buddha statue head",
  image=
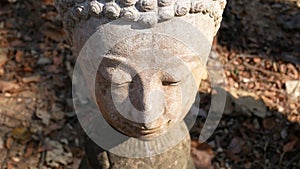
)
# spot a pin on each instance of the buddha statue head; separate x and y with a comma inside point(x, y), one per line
point(142, 59)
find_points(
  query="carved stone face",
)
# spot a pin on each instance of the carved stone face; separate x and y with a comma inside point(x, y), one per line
point(146, 84)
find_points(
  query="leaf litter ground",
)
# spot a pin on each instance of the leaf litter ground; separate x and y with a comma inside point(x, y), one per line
point(258, 46)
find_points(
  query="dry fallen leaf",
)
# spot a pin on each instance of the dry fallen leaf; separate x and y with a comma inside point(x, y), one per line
point(21, 134)
point(202, 154)
point(53, 32)
point(29, 150)
point(53, 127)
point(1, 143)
point(17, 43)
point(8, 86)
point(293, 89)
point(57, 155)
point(48, 2)
point(290, 145)
point(34, 78)
point(58, 115)
point(44, 115)
point(18, 56)
point(57, 61)
point(269, 123)
point(235, 157)
point(10, 165)
point(235, 145)
point(3, 57)
point(9, 142)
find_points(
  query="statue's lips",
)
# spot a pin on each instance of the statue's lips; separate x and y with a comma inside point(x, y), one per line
point(149, 131)
point(153, 132)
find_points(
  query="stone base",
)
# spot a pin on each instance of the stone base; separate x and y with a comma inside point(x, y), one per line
point(176, 158)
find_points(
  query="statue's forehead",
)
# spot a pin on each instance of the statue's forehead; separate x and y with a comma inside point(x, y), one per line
point(148, 55)
point(153, 50)
point(148, 44)
point(121, 66)
point(171, 64)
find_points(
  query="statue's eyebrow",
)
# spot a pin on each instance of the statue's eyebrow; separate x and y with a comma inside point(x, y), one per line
point(115, 57)
point(117, 62)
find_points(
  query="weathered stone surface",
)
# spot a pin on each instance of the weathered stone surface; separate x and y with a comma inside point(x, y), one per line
point(141, 64)
point(176, 158)
point(148, 78)
point(154, 88)
point(73, 11)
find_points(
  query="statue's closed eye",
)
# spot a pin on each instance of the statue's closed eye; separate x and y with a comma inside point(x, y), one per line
point(170, 83)
point(169, 80)
point(119, 77)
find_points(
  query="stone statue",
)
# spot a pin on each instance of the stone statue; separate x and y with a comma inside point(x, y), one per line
point(152, 54)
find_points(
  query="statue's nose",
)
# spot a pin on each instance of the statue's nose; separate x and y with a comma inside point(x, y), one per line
point(147, 96)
